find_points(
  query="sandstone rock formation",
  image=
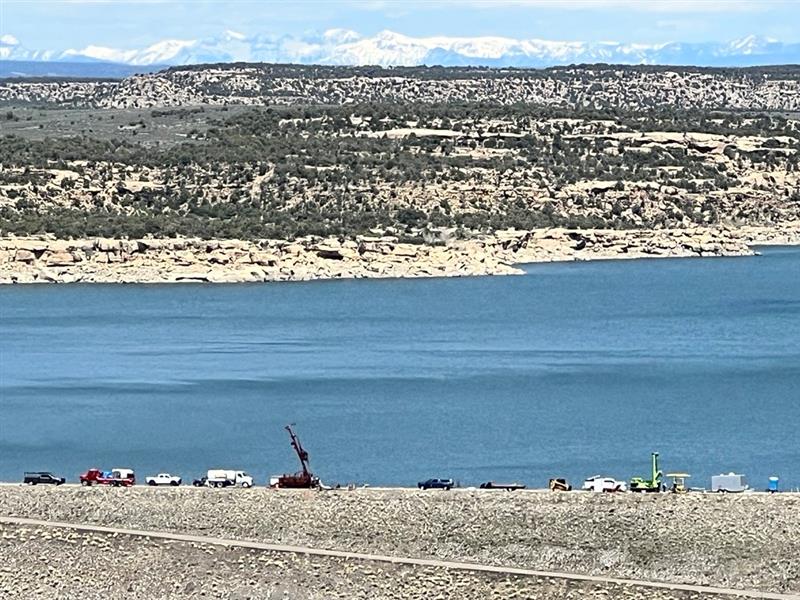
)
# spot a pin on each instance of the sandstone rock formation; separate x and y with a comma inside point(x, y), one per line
point(29, 260)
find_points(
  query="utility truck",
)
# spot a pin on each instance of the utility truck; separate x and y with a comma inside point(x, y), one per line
point(115, 477)
point(228, 478)
point(599, 483)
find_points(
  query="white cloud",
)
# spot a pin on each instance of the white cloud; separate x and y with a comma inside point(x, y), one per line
point(660, 6)
point(234, 35)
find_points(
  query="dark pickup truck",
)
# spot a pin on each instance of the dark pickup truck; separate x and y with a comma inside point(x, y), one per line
point(35, 477)
point(436, 484)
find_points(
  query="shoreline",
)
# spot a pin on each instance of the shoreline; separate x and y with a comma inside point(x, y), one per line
point(181, 260)
point(405, 489)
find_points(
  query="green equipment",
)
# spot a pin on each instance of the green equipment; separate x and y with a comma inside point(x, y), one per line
point(654, 484)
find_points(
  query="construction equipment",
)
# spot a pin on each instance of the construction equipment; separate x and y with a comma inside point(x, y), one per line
point(679, 482)
point(559, 484)
point(303, 479)
point(654, 484)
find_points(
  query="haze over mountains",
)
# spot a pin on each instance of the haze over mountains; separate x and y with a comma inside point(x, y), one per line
point(387, 48)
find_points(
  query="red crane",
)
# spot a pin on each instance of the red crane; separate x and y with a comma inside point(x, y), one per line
point(301, 479)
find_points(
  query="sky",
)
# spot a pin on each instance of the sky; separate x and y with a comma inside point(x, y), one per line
point(61, 24)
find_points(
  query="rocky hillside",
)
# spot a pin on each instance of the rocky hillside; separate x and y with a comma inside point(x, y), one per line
point(602, 86)
point(416, 171)
point(423, 155)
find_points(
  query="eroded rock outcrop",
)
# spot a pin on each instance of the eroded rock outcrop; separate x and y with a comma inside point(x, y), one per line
point(149, 260)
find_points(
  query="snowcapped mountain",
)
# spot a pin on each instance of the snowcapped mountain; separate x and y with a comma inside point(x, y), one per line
point(346, 47)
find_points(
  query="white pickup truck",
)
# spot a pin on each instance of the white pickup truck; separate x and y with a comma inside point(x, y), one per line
point(163, 479)
point(603, 484)
point(228, 477)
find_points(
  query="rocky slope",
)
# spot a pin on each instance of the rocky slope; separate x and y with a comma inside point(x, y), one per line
point(37, 562)
point(742, 541)
point(405, 170)
point(150, 260)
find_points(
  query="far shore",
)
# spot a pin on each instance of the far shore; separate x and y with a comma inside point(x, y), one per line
point(176, 260)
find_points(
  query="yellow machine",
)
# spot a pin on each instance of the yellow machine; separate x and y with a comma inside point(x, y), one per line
point(678, 482)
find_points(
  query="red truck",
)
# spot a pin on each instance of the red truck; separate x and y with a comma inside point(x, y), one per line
point(114, 477)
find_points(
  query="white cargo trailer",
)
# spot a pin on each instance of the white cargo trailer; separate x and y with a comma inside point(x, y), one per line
point(732, 483)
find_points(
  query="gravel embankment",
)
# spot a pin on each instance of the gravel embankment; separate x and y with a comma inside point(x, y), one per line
point(53, 563)
point(747, 541)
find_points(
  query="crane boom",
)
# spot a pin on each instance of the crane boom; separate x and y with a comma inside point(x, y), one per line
point(298, 448)
point(304, 479)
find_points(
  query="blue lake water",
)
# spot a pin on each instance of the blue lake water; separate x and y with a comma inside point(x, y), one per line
point(573, 370)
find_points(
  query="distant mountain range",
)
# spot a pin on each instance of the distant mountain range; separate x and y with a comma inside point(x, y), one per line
point(345, 47)
point(90, 69)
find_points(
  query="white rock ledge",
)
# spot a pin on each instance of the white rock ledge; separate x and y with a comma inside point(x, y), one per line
point(150, 260)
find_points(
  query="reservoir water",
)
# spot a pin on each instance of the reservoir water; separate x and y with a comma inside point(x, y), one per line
point(574, 369)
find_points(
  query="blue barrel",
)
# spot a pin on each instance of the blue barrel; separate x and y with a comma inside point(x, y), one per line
point(773, 484)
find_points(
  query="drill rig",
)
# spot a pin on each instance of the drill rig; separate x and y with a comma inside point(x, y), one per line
point(303, 479)
point(654, 484)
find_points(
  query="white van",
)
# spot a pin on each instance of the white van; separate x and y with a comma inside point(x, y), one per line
point(228, 477)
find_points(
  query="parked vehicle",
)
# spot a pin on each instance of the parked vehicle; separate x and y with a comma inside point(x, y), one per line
point(37, 477)
point(228, 478)
point(559, 484)
point(163, 479)
point(732, 483)
point(509, 487)
point(200, 482)
point(603, 484)
point(115, 477)
point(436, 484)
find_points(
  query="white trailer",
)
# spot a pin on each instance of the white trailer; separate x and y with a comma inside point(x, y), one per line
point(731, 483)
point(228, 477)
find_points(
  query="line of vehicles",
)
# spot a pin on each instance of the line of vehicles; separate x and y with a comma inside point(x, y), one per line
point(215, 478)
point(305, 479)
point(654, 482)
point(727, 483)
point(731, 483)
